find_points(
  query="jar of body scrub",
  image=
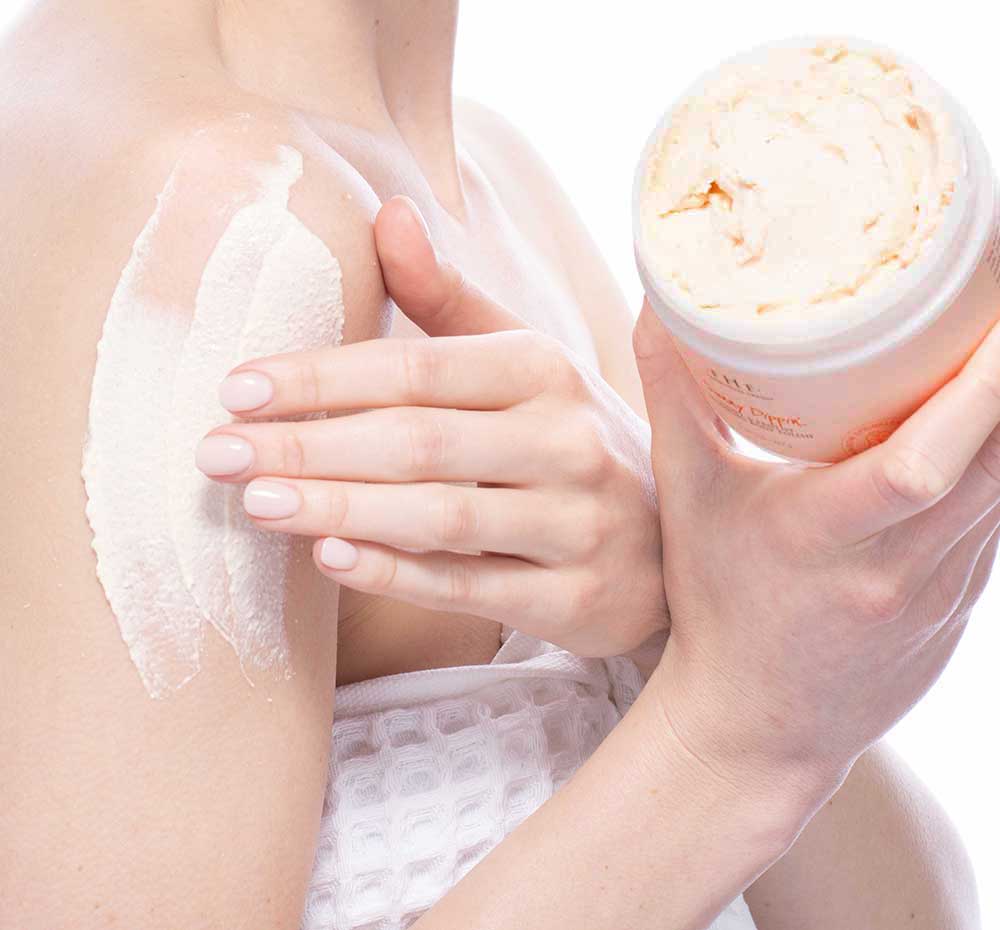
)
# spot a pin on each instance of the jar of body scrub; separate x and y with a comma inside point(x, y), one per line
point(817, 225)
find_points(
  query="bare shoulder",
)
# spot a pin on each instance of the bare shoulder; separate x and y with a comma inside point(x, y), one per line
point(213, 160)
point(511, 162)
point(86, 151)
point(491, 134)
point(229, 155)
point(77, 191)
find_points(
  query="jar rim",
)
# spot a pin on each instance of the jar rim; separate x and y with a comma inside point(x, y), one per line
point(912, 302)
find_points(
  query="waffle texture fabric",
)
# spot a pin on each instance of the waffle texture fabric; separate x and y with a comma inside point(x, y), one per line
point(430, 770)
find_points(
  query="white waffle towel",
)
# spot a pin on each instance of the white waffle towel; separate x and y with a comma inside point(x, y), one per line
point(430, 770)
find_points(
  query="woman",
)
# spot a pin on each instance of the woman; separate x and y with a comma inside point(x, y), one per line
point(730, 770)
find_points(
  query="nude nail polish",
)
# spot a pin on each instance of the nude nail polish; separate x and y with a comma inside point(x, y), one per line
point(246, 391)
point(338, 554)
point(223, 456)
point(270, 500)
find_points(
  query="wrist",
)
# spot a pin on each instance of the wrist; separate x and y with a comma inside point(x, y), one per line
point(770, 799)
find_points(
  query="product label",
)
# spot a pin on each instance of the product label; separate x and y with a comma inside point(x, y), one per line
point(739, 400)
point(827, 416)
point(872, 434)
point(729, 384)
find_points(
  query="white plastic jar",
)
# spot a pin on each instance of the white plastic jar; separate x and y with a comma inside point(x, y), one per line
point(820, 390)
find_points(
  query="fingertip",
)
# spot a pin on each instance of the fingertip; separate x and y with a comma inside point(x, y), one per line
point(406, 254)
point(246, 391)
point(224, 456)
point(683, 421)
point(400, 228)
point(656, 355)
point(650, 336)
point(330, 573)
point(401, 201)
point(317, 547)
point(267, 499)
point(335, 555)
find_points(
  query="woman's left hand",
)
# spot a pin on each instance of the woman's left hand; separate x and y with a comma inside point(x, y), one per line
point(491, 472)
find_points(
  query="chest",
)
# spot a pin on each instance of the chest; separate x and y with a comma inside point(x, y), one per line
point(498, 243)
point(522, 281)
point(498, 257)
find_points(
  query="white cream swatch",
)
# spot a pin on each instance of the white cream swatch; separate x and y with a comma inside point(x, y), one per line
point(175, 550)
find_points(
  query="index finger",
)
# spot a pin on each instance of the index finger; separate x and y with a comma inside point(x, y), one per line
point(923, 461)
point(490, 372)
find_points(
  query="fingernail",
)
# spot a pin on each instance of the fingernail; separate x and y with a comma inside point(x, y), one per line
point(338, 554)
point(270, 500)
point(417, 215)
point(246, 390)
point(221, 456)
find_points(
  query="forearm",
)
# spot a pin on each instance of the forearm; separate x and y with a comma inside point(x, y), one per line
point(639, 838)
point(881, 854)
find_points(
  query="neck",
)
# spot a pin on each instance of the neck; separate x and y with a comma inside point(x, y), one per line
point(380, 65)
point(365, 62)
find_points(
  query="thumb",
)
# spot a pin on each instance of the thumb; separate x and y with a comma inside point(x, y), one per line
point(432, 293)
point(684, 426)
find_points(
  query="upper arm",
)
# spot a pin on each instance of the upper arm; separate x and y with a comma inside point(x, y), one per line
point(523, 178)
point(881, 854)
point(199, 808)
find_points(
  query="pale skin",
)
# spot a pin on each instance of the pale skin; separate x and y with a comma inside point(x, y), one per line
point(149, 783)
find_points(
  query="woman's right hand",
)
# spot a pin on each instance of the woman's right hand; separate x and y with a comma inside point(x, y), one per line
point(812, 608)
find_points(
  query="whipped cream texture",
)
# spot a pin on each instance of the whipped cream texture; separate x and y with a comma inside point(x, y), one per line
point(798, 180)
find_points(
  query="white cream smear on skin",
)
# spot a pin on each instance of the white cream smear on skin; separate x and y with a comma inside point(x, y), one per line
point(175, 550)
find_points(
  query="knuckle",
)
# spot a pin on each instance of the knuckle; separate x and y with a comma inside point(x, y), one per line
point(559, 371)
point(460, 583)
point(292, 455)
point(425, 445)
point(523, 601)
point(912, 478)
point(587, 458)
point(568, 377)
point(310, 381)
point(337, 506)
point(584, 598)
point(591, 529)
point(418, 367)
point(883, 597)
point(383, 572)
point(458, 519)
point(534, 350)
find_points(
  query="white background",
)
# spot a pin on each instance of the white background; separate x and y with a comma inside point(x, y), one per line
point(586, 82)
